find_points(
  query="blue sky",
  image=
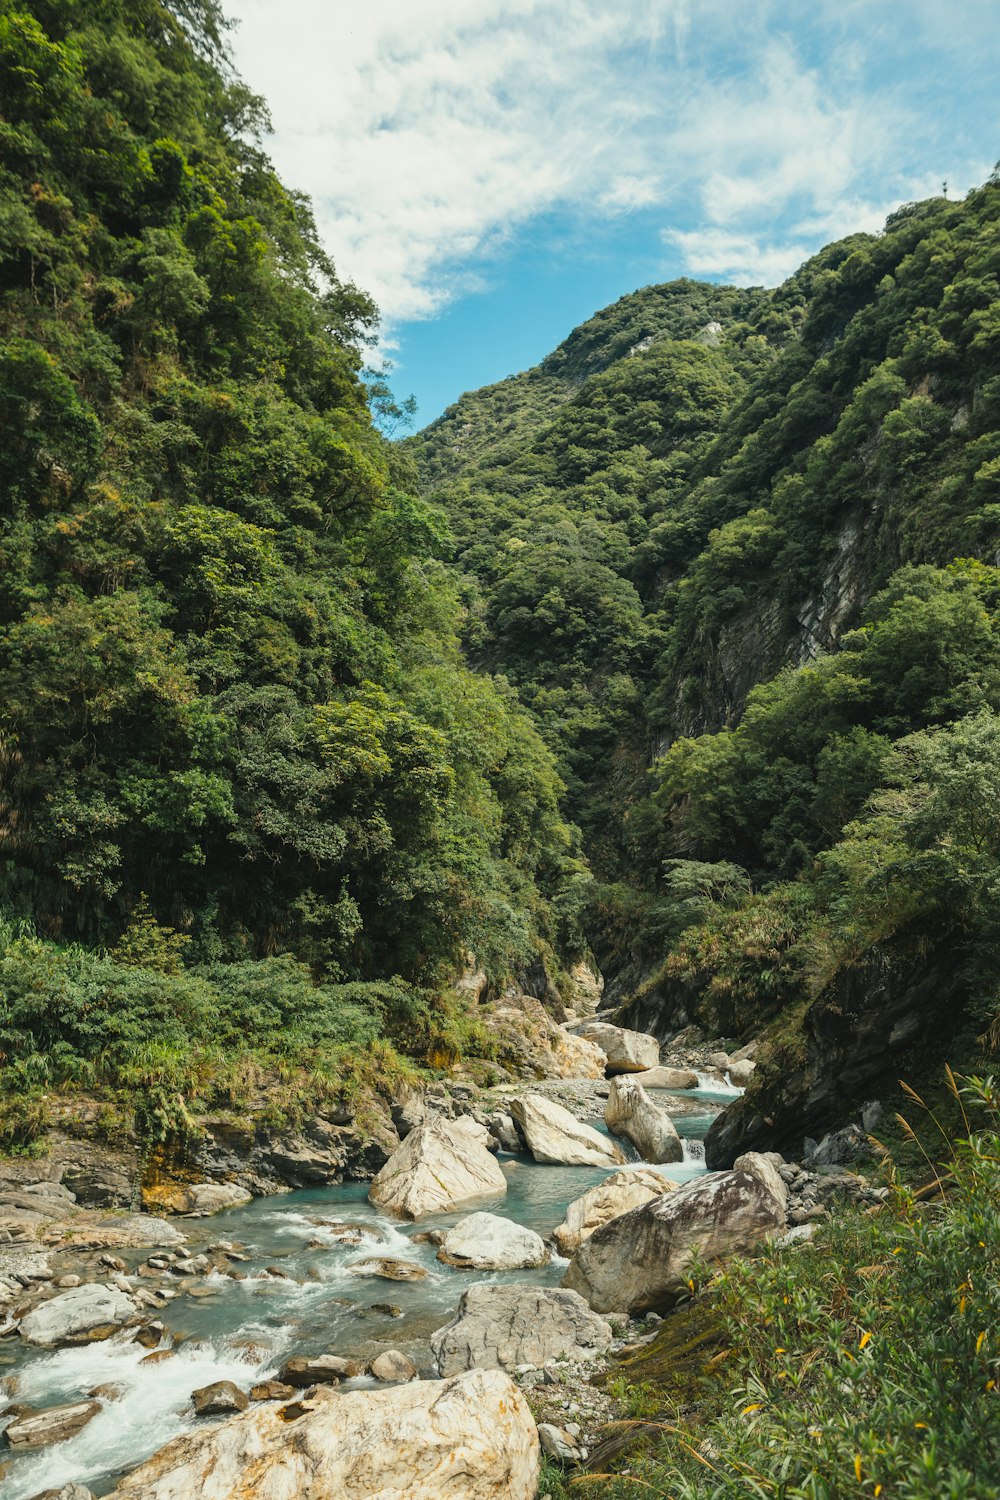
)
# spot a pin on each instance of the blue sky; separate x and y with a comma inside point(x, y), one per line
point(494, 171)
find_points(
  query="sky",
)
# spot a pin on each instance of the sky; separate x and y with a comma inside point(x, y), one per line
point(495, 171)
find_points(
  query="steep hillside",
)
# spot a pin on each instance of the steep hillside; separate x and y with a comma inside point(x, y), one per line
point(741, 565)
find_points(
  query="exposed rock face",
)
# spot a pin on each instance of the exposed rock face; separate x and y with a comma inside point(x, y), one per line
point(471, 1438)
point(37, 1429)
point(438, 1167)
point(75, 1316)
point(585, 989)
point(632, 1113)
point(487, 1242)
point(533, 1045)
point(626, 1051)
point(616, 1195)
point(392, 1365)
point(219, 1399)
point(554, 1135)
point(638, 1263)
point(195, 1199)
point(765, 1167)
point(670, 1078)
point(505, 1326)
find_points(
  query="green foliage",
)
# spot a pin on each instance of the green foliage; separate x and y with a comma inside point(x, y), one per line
point(870, 1365)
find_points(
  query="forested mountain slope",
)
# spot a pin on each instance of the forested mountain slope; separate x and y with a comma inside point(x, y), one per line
point(236, 725)
point(738, 552)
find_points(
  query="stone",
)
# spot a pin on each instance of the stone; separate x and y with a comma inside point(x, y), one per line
point(470, 1438)
point(740, 1073)
point(437, 1168)
point(392, 1365)
point(616, 1195)
point(69, 1491)
point(558, 1444)
point(157, 1357)
point(388, 1269)
point(632, 1113)
point(669, 1078)
point(487, 1242)
point(323, 1369)
point(195, 1200)
point(74, 1316)
point(719, 1061)
point(639, 1262)
point(503, 1127)
point(219, 1399)
point(765, 1167)
point(626, 1051)
point(554, 1135)
point(271, 1390)
point(503, 1326)
point(37, 1429)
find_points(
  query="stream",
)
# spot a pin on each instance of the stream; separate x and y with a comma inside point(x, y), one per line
point(243, 1330)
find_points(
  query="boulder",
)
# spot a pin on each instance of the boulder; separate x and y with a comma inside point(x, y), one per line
point(196, 1200)
point(388, 1269)
point(638, 1263)
point(69, 1491)
point(36, 1429)
point(740, 1073)
point(670, 1078)
point(632, 1113)
point(322, 1369)
point(557, 1443)
point(626, 1051)
point(554, 1135)
point(271, 1390)
point(765, 1167)
point(392, 1365)
point(438, 1167)
point(471, 1438)
point(510, 1325)
point(616, 1195)
point(501, 1125)
point(219, 1399)
point(76, 1316)
point(487, 1242)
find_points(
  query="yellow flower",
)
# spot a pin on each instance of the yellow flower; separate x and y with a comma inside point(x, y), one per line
point(857, 1467)
point(757, 1406)
point(878, 1491)
point(980, 1341)
point(921, 1424)
point(866, 1338)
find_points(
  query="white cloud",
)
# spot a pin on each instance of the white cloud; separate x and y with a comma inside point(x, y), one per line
point(429, 131)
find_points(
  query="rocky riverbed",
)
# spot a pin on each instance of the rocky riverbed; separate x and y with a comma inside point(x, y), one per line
point(112, 1321)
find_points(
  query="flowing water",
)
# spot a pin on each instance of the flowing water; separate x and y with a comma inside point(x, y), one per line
point(244, 1329)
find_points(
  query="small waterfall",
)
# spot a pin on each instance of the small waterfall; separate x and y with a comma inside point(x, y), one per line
point(694, 1152)
point(723, 1089)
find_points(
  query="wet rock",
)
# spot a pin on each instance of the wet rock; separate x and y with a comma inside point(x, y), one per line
point(195, 1200)
point(509, 1325)
point(303, 1370)
point(219, 1399)
point(472, 1437)
point(616, 1195)
point(437, 1168)
point(38, 1429)
point(157, 1357)
point(68, 1492)
point(669, 1078)
point(77, 1316)
point(388, 1269)
point(554, 1135)
point(392, 1365)
point(386, 1309)
point(626, 1051)
point(488, 1242)
point(271, 1390)
point(632, 1113)
point(345, 1232)
point(639, 1262)
point(150, 1335)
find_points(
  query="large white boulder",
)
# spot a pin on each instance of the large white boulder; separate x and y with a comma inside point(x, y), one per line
point(554, 1135)
point(439, 1166)
point(487, 1242)
point(470, 1438)
point(76, 1315)
point(196, 1200)
point(626, 1051)
point(632, 1113)
point(510, 1325)
point(639, 1263)
point(670, 1078)
point(616, 1195)
point(763, 1165)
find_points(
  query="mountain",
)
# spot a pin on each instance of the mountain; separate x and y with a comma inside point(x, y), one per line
point(738, 550)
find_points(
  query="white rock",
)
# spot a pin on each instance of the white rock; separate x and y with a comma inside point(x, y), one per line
point(470, 1438)
point(632, 1113)
point(73, 1314)
point(626, 1051)
point(557, 1443)
point(740, 1073)
point(765, 1167)
point(391, 1364)
point(487, 1242)
point(616, 1195)
point(37, 1429)
point(439, 1166)
point(639, 1262)
point(554, 1135)
point(669, 1078)
point(518, 1324)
